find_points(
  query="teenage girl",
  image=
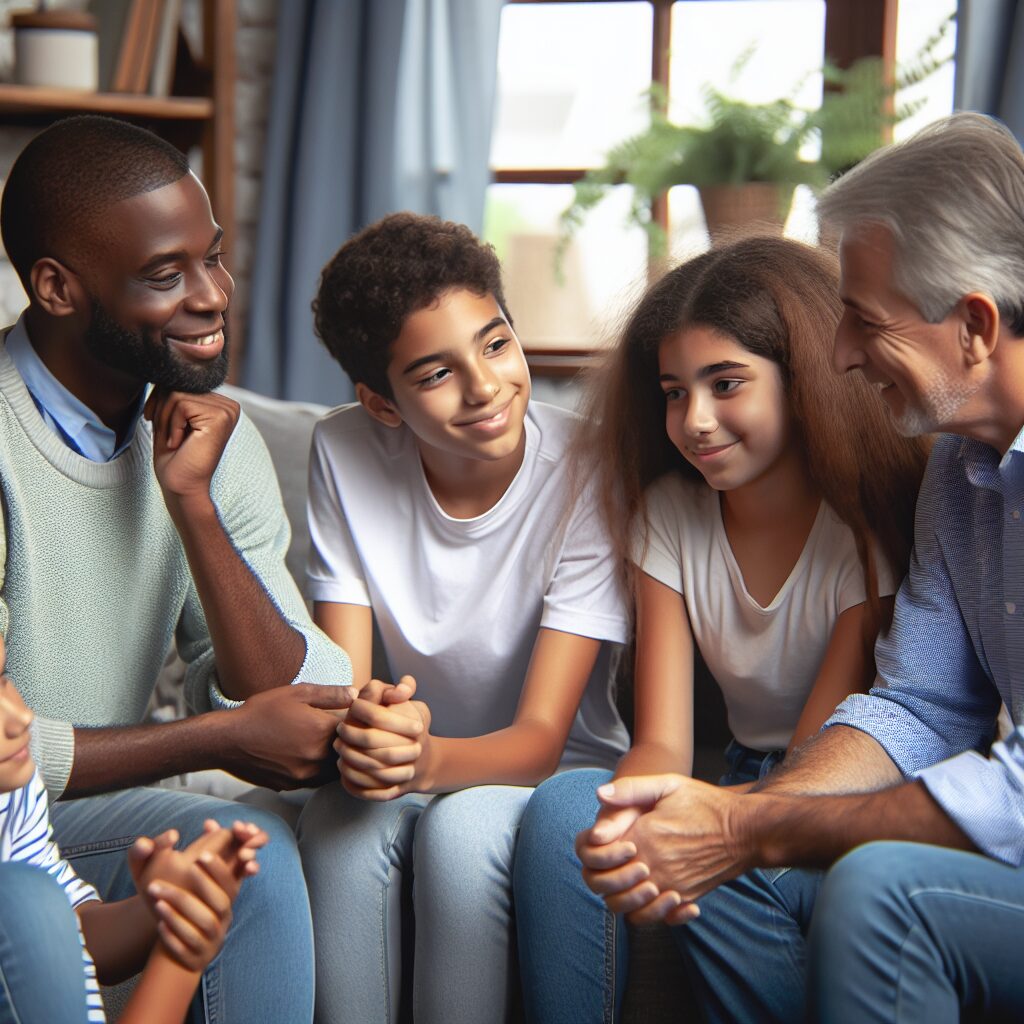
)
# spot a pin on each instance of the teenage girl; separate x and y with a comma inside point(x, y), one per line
point(764, 507)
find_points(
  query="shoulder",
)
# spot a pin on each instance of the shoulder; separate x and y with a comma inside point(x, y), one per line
point(674, 499)
point(351, 428)
point(554, 429)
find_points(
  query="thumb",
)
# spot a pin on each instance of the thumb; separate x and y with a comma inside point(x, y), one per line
point(330, 698)
point(637, 790)
point(405, 690)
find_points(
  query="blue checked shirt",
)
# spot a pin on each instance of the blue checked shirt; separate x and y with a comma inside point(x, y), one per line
point(956, 647)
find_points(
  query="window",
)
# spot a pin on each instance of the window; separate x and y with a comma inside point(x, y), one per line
point(574, 79)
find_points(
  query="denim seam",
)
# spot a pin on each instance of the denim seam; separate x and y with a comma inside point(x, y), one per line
point(384, 894)
point(104, 846)
point(10, 999)
point(608, 1007)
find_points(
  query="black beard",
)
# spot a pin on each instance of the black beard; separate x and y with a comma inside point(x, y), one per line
point(148, 359)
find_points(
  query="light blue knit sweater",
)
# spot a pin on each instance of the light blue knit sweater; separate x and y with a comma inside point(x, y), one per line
point(95, 585)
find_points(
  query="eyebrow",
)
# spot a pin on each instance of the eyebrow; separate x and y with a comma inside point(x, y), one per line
point(445, 354)
point(178, 254)
point(710, 370)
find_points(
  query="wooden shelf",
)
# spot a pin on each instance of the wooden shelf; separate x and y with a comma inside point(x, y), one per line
point(44, 101)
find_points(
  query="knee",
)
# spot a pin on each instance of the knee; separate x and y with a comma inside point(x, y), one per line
point(29, 896)
point(862, 878)
point(564, 804)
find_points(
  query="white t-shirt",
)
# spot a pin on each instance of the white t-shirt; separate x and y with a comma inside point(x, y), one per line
point(459, 601)
point(765, 659)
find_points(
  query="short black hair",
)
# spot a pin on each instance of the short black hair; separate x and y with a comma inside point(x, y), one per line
point(401, 264)
point(69, 172)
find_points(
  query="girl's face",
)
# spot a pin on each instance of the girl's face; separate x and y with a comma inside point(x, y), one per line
point(16, 765)
point(725, 407)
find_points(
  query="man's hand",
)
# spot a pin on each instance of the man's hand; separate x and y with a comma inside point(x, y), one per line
point(383, 744)
point(282, 737)
point(688, 838)
point(190, 433)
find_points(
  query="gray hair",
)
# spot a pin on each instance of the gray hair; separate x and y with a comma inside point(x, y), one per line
point(953, 198)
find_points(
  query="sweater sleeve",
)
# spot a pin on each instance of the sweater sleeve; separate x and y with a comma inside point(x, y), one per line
point(248, 502)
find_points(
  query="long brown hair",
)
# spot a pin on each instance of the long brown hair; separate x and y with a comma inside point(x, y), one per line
point(779, 299)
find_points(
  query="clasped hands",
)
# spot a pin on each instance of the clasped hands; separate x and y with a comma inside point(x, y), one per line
point(660, 842)
point(190, 892)
point(383, 742)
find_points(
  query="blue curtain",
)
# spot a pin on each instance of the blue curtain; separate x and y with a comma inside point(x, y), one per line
point(990, 60)
point(377, 106)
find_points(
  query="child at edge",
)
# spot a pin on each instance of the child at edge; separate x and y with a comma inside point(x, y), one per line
point(442, 505)
point(50, 958)
point(764, 506)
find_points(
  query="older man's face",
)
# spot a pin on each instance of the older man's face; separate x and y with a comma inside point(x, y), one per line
point(917, 366)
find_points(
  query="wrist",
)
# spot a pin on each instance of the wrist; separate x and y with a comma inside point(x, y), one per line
point(217, 740)
point(765, 837)
point(192, 510)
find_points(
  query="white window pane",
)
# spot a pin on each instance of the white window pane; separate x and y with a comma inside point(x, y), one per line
point(787, 39)
point(572, 81)
point(916, 22)
point(604, 268)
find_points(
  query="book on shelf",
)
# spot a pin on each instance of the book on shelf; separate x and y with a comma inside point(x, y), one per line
point(138, 44)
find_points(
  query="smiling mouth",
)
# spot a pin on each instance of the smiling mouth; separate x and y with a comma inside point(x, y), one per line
point(20, 754)
point(202, 346)
point(709, 453)
point(489, 420)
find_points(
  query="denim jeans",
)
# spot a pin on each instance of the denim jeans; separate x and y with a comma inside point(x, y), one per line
point(265, 970)
point(421, 878)
point(895, 932)
point(572, 951)
point(42, 977)
point(565, 931)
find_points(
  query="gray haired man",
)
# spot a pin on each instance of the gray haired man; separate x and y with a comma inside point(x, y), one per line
point(903, 796)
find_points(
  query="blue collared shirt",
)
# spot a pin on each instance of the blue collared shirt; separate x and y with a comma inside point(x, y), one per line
point(70, 419)
point(956, 647)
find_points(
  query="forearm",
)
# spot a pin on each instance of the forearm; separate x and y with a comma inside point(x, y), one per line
point(794, 831)
point(654, 759)
point(116, 758)
point(119, 937)
point(839, 760)
point(524, 754)
point(163, 993)
point(254, 646)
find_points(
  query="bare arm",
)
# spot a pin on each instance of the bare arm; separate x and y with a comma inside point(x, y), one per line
point(350, 626)
point(846, 668)
point(255, 646)
point(522, 754)
point(280, 738)
point(663, 684)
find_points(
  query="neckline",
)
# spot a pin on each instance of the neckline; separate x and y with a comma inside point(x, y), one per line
point(794, 574)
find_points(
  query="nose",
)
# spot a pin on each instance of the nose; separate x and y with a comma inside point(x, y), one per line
point(212, 290)
point(846, 351)
point(482, 385)
point(700, 418)
point(17, 717)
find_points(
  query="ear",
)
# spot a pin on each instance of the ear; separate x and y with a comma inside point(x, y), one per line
point(380, 408)
point(979, 329)
point(56, 288)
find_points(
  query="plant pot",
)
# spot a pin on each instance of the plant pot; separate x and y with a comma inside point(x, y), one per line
point(753, 208)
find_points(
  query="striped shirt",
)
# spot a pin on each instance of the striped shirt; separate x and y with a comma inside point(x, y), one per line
point(956, 647)
point(26, 835)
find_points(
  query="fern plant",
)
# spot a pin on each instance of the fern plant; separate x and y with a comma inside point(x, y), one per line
point(744, 142)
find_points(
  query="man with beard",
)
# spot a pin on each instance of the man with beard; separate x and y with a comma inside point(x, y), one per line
point(922, 920)
point(133, 521)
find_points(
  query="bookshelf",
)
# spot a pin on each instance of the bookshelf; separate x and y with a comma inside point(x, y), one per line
point(201, 111)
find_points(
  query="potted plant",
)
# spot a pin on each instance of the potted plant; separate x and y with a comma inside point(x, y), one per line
point(746, 158)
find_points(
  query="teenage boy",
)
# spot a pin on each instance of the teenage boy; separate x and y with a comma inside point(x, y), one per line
point(442, 505)
point(131, 522)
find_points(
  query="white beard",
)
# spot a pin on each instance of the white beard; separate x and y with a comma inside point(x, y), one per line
point(941, 399)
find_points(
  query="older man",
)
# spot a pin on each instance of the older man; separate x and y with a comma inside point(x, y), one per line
point(921, 923)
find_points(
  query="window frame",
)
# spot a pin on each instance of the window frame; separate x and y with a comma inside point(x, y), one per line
point(853, 29)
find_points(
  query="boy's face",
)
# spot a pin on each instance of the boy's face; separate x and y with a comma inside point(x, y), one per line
point(16, 765)
point(459, 380)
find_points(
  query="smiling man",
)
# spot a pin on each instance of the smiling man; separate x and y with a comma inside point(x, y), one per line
point(133, 521)
point(924, 922)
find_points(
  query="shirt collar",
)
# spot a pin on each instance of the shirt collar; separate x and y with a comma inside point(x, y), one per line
point(66, 415)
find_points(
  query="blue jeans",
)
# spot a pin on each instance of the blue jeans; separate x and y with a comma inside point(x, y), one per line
point(565, 931)
point(265, 970)
point(421, 878)
point(572, 951)
point(42, 977)
point(896, 932)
